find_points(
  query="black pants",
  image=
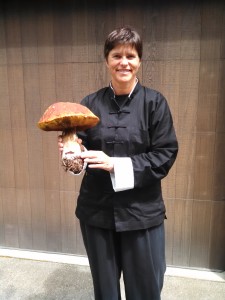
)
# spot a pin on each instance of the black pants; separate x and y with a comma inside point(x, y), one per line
point(139, 254)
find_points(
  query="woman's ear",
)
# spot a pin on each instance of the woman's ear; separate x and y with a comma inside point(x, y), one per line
point(106, 62)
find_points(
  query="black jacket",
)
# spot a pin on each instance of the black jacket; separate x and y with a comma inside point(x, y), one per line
point(141, 129)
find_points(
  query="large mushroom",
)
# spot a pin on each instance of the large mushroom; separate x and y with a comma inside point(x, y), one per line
point(69, 118)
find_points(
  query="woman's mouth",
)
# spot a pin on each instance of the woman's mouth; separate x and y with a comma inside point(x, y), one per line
point(124, 71)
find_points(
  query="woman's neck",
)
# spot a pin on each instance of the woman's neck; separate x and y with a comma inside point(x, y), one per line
point(123, 89)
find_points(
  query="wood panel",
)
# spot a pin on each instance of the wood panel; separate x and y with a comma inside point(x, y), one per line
point(13, 37)
point(102, 15)
point(80, 80)
point(62, 33)
point(200, 234)
point(217, 238)
point(191, 32)
point(24, 218)
point(7, 178)
point(53, 221)
point(212, 29)
point(220, 125)
point(182, 232)
point(126, 15)
point(169, 229)
point(208, 95)
point(63, 81)
point(203, 169)
point(218, 168)
point(38, 220)
point(2, 223)
point(10, 217)
point(185, 167)
point(68, 221)
point(79, 32)
point(52, 51)
point(45, 37)
point(29, 36)
point(3, 57)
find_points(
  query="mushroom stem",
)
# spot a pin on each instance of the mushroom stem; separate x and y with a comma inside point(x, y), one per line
point(71, 160)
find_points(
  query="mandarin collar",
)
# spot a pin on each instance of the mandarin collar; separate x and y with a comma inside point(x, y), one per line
point(132, 93)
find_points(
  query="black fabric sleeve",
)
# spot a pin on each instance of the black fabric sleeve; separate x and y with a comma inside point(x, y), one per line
point(156, 164)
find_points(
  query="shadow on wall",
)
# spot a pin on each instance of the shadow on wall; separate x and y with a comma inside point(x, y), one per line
point(217, 244)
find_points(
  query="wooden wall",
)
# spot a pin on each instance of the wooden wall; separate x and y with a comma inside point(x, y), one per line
point(52, 51)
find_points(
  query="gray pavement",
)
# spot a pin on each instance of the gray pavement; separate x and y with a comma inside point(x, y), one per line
point(22, 279)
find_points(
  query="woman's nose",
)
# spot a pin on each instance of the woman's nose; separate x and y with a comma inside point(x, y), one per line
point(124, 61)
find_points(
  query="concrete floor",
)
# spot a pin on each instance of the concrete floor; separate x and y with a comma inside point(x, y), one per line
point(23, 279)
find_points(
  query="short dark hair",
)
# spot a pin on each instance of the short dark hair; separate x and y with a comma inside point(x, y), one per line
point(121, 36)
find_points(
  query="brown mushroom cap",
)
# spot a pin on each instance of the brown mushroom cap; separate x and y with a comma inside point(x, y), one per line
point(65, 115)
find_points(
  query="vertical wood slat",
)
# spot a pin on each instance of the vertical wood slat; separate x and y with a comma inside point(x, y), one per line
point(36, 168)
point(185, 166)
point(53, 221)
point(124, 14)
point(188, 97)
point(63, 82)
point(162, 36)
point(220, 124)
point(49, 139)
point(98, 76)
point(7, 175)
point(63, 35)
point(31, 95)
point(191, 32)
point(2, 221)
point(13, 39)
point(18, 124)
point(217, 241)
point(80, 80)
point(200, 234)
point(10, 216)
point(208, 95)
point(45, 37)
point(212, 29)
point(38, 221)
point(169, 229)
point(80, 250)
point(50, 233)
point(218, 168)
point(20, 152)
point(203, 169)
point(68, 221)
point(29, 37)
point(79, 32)
point(24, 218)
point(182, 232)
point(3, 55)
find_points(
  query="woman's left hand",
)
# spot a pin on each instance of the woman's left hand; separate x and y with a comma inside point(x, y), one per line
point(98, 160)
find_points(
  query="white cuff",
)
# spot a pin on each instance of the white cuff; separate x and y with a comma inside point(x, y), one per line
point(123, 175)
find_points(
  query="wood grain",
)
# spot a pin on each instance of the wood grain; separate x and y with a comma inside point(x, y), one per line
point(200, 234)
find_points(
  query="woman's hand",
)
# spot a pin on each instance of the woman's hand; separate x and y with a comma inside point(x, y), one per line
point(98, 160)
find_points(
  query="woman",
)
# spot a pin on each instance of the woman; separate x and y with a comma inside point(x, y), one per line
point(120, 205)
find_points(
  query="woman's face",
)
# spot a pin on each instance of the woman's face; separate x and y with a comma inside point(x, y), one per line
point(123, 63)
